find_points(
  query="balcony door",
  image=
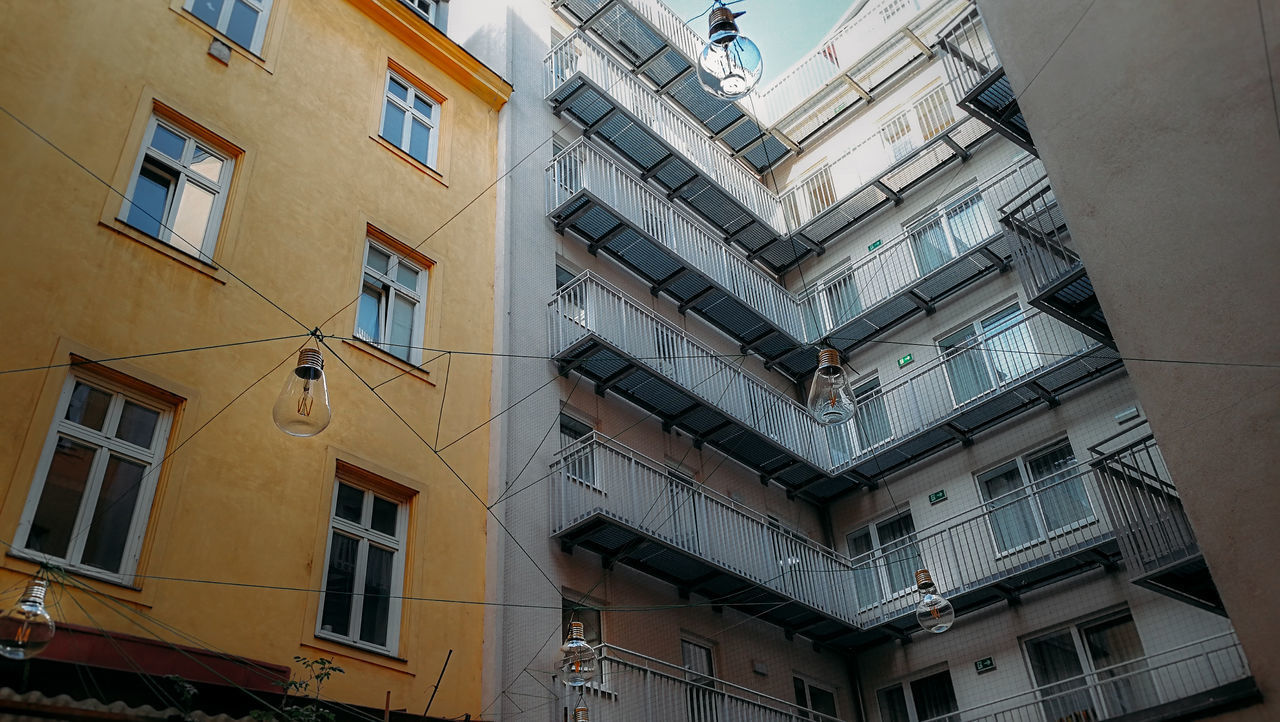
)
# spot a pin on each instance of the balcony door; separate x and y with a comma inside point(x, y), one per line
point(1034, 496)
point(928, 698)
point(871, 419)
point(989, 354)
point(885, 559)
point(701, 697)
point(950, 231)
point(579, 463)
point(1092, 671)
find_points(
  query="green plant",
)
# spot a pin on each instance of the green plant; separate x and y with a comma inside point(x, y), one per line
point(318, 671)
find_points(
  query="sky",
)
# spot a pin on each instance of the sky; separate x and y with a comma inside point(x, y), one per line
point(784, 30)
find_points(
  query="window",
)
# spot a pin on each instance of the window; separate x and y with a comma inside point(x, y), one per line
point(871, 420)
point(896, 135)
point(886, 559)
point(1108, 650)
point(426, 8)
point(91, 497)
point(579, 464)
point(364, 568)
point(177, 190)
point(563, 276)
point(950, 231)
point(987, 355)
point(701, 697)
point(926, 698)
point(391, 313)
point(409, 118)
point(1033, 496)
point(809, 197)
point(813, 698)
point(243, 21)
point(934, 113)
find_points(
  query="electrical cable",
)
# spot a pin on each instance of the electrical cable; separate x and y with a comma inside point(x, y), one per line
point(89, 362)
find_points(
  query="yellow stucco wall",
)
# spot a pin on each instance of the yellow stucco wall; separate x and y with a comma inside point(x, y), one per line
point(241, 501)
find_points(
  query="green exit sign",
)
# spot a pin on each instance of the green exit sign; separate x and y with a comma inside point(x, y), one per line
point(905, 360)
point(985, 664)
point(875, 245)
point(937, 496)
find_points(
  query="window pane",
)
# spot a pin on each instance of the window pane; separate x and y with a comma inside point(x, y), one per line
point(401, 331)
point(398, 89)
point(420, 142)
point(1009, 343)
point(893, 705)
point(88, 406)
point(137, 424)
point(932, 250)
point(192, 219)
point(934, 696)
point(376, 611)
point(407, 276)
point(168, 142)
point(385, 514)
point(350, 503)
point(1063, 498)
point(901, 558)
point(243, 21)
point(60, 498)
point(150, 197)
point(368, 326)
point(393, 124)
point(1053, 658)
point(112, 515)
point(336, 613)
point(206, 164)
point(822, 701)
point(422, 106)
point(1010, 515)
point(377, 260)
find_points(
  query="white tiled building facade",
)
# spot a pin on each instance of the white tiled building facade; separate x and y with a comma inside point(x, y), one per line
point(681, 265)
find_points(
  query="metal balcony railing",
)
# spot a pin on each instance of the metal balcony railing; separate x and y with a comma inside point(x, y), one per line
point(577, 58)
point(978, 79)
point(1186, 681)
point(633, 687)
point(589, 306)
point(849, 68)
point(597, 476)
point(581, 167)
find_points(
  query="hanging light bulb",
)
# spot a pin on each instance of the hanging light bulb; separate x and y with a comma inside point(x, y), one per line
point(580, 660)
point(830, 398)
point(729, 65)
point(580, 712)
point(303, 406)
point(934, 613)
point(26, 628)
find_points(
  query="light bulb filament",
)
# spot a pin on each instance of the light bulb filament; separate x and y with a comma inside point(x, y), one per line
point(24, 633)
point(306, 400)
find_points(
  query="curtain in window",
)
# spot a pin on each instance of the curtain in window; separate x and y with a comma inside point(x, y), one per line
point(1010, 513)
point(871, 420)
point(934, 696)
point(842, 300)
point(866, 579)
point(1009, 345)
point(701, 697)
point(1053, 659)
point(969, 222)
point(931, 247)
point(966, 365)
point(903, 559)
point(1060, 490)
point(1123, 686)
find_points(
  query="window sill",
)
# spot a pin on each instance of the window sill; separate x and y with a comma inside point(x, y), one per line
point(351, 650)
point(406, 368)
point(203, 267)
point(214, 34)
point(421, 167)
point(120, 590)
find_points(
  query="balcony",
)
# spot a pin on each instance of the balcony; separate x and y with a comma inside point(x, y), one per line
point(604, 335)
point(613, 501)
point(1192, 681)
point(1052, 273)
point(633, 687)
point(1016, 362)
point(979, 81)
point(857, 65)
point(590, 196)
point(660, 47)
point(1156, 541)
point(597, 92)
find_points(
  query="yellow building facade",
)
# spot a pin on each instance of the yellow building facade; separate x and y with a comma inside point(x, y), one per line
point(193, 174)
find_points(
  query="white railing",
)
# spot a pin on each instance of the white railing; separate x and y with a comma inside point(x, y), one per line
point(1044, 251)
point(581, 166)
point(970, 54)
point(598, 476)
point(853, 287)
point(579, 54)
point(868, 51)
point(634, 687)
point(1132, 686)
point(590, 305)
point(962, 377)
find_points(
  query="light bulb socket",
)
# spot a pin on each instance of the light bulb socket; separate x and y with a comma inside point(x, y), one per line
point(828, 358)
point(310, 364)
point(721, 20)
point(924, 582)
point(35, 592)
point(576, 631)
point(580, 714)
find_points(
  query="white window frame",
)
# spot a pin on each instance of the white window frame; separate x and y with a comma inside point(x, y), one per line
point(1031, 494)
point(388, 288)
point(224, 20)
point(180, 168)
point(942, 214)
point(106, 445)
point(933, 107)
point(429, 14)
point(1090, 673)
point(410, 115)
point(366, 535)
point(807, 707)
point(878, 563)
point(908, 695)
